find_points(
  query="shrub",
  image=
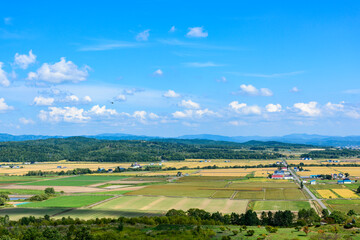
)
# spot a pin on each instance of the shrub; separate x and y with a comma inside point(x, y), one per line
point(250, 233)
point(50, 191)
point(39, 197)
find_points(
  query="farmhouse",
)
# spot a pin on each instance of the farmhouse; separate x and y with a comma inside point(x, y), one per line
point(345, 181)
point(277, 176)
point(313, 182)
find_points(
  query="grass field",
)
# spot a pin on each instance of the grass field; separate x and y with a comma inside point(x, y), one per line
point(67, 202)
point(21, 191)
point(344, 205)
point(83, 180)
point(280, 205)
point(17, 213)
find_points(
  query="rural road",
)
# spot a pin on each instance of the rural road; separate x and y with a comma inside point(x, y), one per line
point(313, 197)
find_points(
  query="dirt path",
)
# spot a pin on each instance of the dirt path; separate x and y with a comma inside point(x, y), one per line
point(234, 194)
point(153, 203)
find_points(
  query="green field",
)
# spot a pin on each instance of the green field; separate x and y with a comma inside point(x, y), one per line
point(280, 205)
point(21, 191)
point(4, 180)
point(19, 212)
point(83, 180)
point(67, 202)
point(344, 205)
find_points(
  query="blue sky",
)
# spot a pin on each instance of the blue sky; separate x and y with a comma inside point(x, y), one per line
point(170, 68)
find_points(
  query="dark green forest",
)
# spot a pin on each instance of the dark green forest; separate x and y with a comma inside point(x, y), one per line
point(89, 149)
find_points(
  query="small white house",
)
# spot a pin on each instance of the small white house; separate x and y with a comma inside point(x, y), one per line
point(313, 182)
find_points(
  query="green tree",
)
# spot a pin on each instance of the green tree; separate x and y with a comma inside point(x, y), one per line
point(49, 191)
point(351, 212)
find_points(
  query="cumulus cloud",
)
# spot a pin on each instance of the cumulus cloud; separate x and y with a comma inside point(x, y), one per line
point(4, 81)
point(253, 91)
point(26, 121)
point(120, 98)
point(189, 104)
point(295, 90)
point(102, 111)
point(189, 113)
point(273, 108)
point(143, 36)
point(63, 71)
point(43, 101)
point(237, 123)
point(23, 60)
point(140, 115)
point(158, 72)
point(243, 108)
point(335, 106)
point(171, 94)
point(66, 114)
point(172, 29)
point(87, 99)
point(3, 106)
point(72, 98)
point(308, 109)
point(197, 32)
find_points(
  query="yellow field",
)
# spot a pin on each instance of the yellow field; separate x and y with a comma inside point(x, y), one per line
point(318, 170)
point(24, 168)
point(353, 171)
point(326, 193)
point(168, 173)
point(234, 172)
point(345, 193)
point(194, 163)
point(263, 172)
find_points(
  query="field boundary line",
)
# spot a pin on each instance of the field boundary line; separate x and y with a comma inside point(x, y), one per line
point(233, 195)
point(103, 201)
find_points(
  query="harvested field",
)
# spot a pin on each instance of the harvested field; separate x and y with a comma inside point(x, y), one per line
point(83, 180)
point(163, 204)
point(326, 193)
point(223, 194)
point(345, 193)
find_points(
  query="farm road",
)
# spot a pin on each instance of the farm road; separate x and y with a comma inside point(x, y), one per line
point(313, 197)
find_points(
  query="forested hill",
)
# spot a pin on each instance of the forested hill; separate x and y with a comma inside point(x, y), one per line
point(89, 149)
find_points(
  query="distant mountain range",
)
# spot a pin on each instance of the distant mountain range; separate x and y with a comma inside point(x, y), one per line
point(310, 139)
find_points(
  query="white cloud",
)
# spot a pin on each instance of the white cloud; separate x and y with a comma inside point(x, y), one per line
point(102, 111)
point(23, 60)
point(171, 94)
point(253, 91)
point(87, 99)
point(26, 121)
point(243, 108)
point(72, 98)
point(143, 36)
point(43, 101)
point(353, 114)
point(197, 32)
point(120, 98)
point(153, 116)
point(295, 90)
point(222, 79)
point(189, 113)
point(238, 123)
point(140, 115)
point(308, 109)
point(189, 104)
point(335, 106)
point(273, 108)
point(172, 29)
point(63, 71)
point(158, 72)
point(66, 114)
point(202, 64)
point(4, 81)
point(3, 106)
point(7, 20)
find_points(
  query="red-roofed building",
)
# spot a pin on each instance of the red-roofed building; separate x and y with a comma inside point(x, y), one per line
point(277, 176)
